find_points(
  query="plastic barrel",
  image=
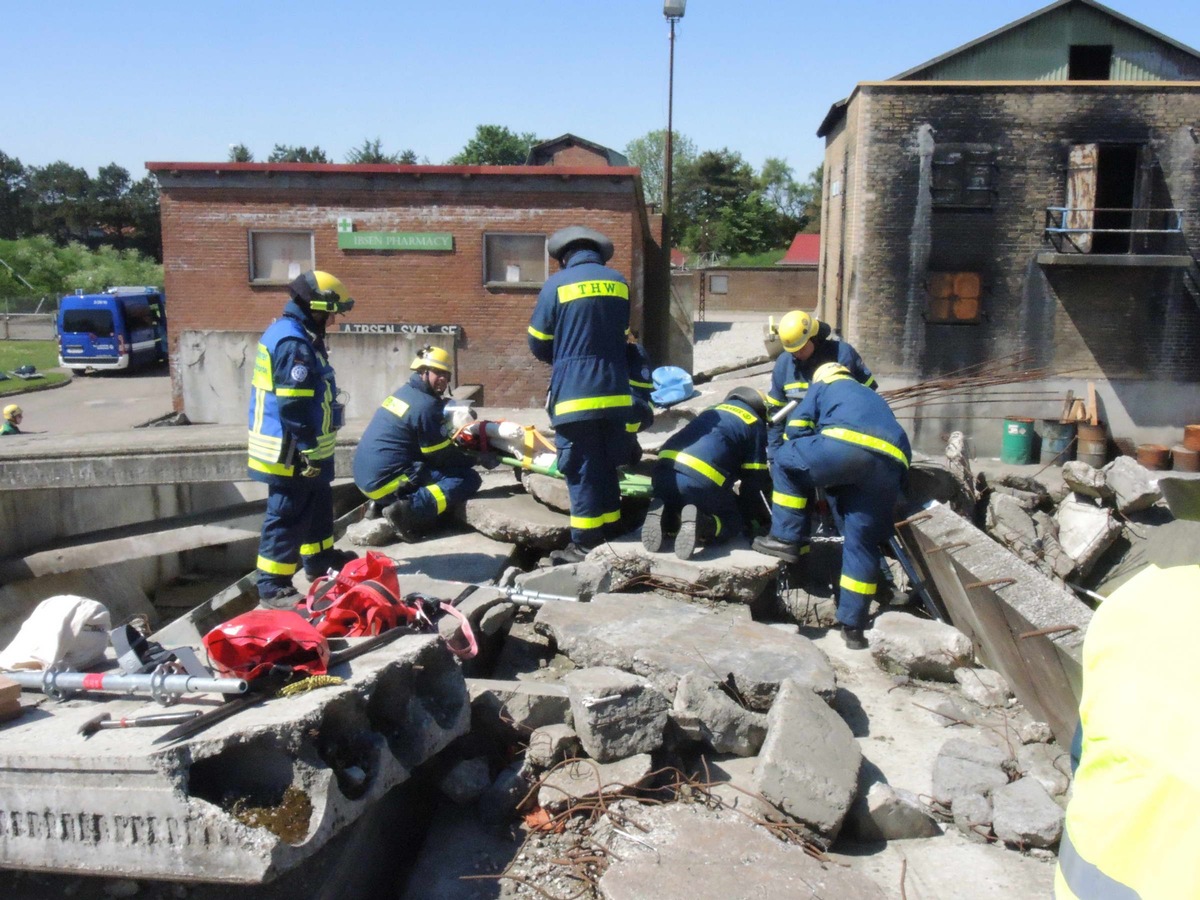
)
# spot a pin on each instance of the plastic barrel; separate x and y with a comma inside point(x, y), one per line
point(1017, 446)
point(1092, 446)
point(1154, 456)
point(1185, 458)
point(1058, 442)
point(1191, 437)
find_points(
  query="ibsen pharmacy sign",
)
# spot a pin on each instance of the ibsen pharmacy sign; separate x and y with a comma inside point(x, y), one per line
point(349, 239)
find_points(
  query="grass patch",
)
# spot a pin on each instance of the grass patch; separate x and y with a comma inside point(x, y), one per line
point(43, 355)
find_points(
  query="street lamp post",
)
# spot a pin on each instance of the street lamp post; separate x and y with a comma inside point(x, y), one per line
point(673, 10)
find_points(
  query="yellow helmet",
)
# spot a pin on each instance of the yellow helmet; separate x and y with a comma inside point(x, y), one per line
point(430, 357)
point(322, 292)
point(830, 372)
point(796, 329)
point(12, 411)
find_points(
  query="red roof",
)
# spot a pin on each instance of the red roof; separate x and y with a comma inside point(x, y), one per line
point(678, 260)
point(805, 251)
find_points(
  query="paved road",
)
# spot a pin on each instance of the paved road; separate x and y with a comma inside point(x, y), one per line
point(97, 403)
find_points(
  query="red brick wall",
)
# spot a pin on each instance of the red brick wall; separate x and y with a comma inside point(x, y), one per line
point(206, 267)
point(578, 156)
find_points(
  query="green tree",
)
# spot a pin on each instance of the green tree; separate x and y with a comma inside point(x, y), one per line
point(371, 151)
point(713, 205)
point(649, 153)
point(297, 154)
point(15, 218)
point(110, 210)
point(142, 200)
point(495, 145)
point(240, 153)
point(814, 189)
point(56, 270)
point(59, 200)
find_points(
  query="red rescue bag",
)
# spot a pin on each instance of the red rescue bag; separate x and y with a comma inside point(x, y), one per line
point(248, 645)
point(362, 599)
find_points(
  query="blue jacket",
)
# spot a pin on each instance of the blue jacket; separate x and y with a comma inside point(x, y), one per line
point(579, 326)
point(404, 438)
point(724, 443)
point(843, 409)
point(292, 397)
point(791, 377)
point(641, 384)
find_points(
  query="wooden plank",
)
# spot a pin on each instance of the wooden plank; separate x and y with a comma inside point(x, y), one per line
point(1093, 412)
point(1066, 410)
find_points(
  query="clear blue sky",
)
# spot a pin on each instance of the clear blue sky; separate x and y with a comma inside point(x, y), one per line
point(128, 81)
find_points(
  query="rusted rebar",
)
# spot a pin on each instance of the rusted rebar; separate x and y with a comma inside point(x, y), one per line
point(1041, 632)
point(991, 582)
point(953, 545)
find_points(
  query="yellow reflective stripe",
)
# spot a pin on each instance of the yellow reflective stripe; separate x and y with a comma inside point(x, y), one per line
point(570, 406)
point(748, 417)
point(800, 423)
point(717, 526)
point(313, 549)
point(265, 442)
point(633, 427)
point(692, 462)
point(754, 466)
point(395, 407)
point(434, 448)
point(796, 386)
point(275, 568)
point(295, 392)
point(586, 522)
point(781, 499)
point(804, 549)
point(640, 384)
point(773, 401)
point(866, 440)
point(540, 335)
point(581, 289)
point(270, 468)
point(259, 403)
point(870, 382)
point(262, 370)
point(439, 497)
point(841, 376)
point(859, 587)
point(388, 488)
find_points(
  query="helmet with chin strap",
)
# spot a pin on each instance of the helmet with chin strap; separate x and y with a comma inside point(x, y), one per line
point(321, 292)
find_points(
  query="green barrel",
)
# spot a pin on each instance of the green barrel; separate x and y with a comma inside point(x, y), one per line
point(1017, 446)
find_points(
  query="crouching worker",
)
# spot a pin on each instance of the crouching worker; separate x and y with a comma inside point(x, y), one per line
point(852, 446)
point(694, 478)
point(405, 463)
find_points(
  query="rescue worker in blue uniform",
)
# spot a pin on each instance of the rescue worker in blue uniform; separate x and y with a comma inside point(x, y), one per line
point(694, 478)
point(405, 462)
point(294, 417)
point(641, 384)
point(851, 446)
point(579, 326)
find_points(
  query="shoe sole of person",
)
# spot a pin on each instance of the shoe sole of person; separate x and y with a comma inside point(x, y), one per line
point(652, 528)
point(785, 555)
point(280, 601)
point(685, 541)
point(853, 641)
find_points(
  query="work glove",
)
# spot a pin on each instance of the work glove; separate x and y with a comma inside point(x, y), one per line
point(309, 470)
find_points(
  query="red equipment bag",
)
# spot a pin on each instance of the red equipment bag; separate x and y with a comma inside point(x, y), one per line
point(362, 599)
point(248, 645)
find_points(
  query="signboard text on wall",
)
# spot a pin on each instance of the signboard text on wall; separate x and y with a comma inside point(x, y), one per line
point(397, 328)
point(349, 239)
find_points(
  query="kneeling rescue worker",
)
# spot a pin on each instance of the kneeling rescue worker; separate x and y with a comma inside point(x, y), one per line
point(12, 419)
point(405, 462)
point(578, 326)
point(851, 445)
point(294, 417)
point(696, 470)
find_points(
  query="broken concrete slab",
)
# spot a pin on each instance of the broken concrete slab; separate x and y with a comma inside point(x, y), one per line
point(584, 779)
point(311, 764)
point(582, 580)
point(973, 816)
point(451, 554)
point(516, 705)
point(725, 725)
point(809, 762)
point(964, 768)
point(1056, 562)
point(1131, 483)
point(663, 640)
point(459, 845)
point(1025, 815)
point(730, 779)
point(616, 714)
point(1035, 733)
point(689, 851)
point(551, 744)
point(371, 533)
point(1086, 531)
point(889, 814)
point(549, 492)
point(983, 686)
point(1047, 764)
point(730, 572)
point(943, 709)
point(498, 804)
point(466, 781)
point(920, 648)
point(504, 512)
point(1086, 481)
point(932, 479)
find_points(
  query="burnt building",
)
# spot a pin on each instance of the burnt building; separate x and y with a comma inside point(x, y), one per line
point(1034, 194)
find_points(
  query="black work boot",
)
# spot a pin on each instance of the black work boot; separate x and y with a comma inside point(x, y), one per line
point(652, 528)
point(773, 546)
point(400, 517)
point(572, 553)
point(854, 638)
point(284, 598)
point(695, 529)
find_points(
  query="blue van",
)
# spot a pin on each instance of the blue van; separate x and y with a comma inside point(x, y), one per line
point(123, 328)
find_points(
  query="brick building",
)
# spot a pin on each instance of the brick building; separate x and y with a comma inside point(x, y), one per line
point(450, 255)
point(1035, 191)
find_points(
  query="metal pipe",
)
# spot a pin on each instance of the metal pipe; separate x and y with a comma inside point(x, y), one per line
point(782, 414)
point(163, 687)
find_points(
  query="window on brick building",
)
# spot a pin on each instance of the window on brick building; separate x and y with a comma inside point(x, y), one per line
point(718, 284)
point(953, 298)
point(276, 257)
point(964, 176)
point(1089, 62)
point(514, 260)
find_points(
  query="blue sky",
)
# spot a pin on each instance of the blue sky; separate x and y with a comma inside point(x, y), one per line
point(128, 81)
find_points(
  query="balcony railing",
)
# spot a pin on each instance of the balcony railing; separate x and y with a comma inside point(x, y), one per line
point(1107, 230)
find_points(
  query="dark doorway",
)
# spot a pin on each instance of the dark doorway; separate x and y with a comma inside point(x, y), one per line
point(1116, 180)
point(1089, 62)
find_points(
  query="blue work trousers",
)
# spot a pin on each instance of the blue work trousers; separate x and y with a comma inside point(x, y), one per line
point(298, 523)
point(439, 490)
point(678, 489)
point(862, 487)
point(589, 453)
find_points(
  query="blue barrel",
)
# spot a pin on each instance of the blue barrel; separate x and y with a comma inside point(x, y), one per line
point(1058, 442)
point(1016, 448)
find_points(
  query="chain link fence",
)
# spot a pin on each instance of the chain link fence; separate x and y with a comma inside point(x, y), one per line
point(28, 318)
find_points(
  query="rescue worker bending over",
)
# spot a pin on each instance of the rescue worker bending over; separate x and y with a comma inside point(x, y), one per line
point(641, 384)
point(579, 326)
point(852, 447)
point(696, 470)
point(807, 345)
point(13, 415)
point(405, 462)
point(294, 417)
